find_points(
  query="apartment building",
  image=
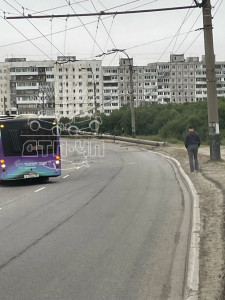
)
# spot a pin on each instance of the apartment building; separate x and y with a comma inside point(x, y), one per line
point(110, 79)
point(71, 87)
point(178, 80)
point(78, 87)
point(4, 88)
point(117, 85)
point(31, 86)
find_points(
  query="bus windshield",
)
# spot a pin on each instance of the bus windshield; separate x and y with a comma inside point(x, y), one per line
point(19, 138)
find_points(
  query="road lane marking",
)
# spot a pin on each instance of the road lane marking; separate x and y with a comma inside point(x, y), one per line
point(66, 176)
point(40, 189)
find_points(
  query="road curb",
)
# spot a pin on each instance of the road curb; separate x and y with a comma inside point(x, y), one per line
point(192, 278)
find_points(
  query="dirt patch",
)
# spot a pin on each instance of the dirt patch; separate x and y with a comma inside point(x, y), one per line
point(210, 186)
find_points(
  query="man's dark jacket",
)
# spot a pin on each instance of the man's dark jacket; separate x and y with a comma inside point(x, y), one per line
point(192, 138)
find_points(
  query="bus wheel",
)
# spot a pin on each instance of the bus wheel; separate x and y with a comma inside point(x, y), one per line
point(43, 179)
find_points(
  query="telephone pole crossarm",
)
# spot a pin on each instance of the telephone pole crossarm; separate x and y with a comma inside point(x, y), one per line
point(101, 13)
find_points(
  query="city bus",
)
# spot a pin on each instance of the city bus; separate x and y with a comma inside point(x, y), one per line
point(29, 147)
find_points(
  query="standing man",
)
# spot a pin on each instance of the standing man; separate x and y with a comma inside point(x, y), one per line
point(192, 143)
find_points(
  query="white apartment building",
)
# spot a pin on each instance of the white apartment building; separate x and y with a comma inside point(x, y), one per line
point(78, 87)
point(110, 89)
point(4, 88)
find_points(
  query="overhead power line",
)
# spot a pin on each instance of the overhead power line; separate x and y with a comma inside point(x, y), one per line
point(103, 13)
point(44, 36)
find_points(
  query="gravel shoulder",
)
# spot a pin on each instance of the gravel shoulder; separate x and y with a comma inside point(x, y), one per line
point(209, 183)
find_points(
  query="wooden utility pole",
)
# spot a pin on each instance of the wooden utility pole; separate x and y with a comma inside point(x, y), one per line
point(132, 100)
point(213, 117)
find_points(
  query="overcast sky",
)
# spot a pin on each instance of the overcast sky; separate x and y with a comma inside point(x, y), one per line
point(147, 37)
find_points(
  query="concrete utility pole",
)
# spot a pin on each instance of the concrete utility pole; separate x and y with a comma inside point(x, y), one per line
point(95, 103)
point(213, 117)
point(131, 90)
point(132, 100)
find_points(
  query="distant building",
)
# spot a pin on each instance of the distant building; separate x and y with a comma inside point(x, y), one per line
point(78, 87)
point(5, 104)
point(71, 87)
point(32, 86)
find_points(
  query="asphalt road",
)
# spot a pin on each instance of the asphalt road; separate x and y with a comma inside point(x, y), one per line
point(114, 226)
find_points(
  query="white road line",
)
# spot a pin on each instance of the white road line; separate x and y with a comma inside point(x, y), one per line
point(66, 176)
point(40, 189)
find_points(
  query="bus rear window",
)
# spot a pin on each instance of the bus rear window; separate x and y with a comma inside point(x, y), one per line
point(20, 139)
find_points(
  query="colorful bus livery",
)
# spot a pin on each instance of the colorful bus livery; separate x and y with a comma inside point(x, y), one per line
point(28, 153)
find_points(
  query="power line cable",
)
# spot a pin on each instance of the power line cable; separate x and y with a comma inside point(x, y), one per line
point(144, 4)
point(84, 25)
point(6, 12)
point(159, 40)
point(171, 42)
point(185, 18)
point(217, 7)
point(84, 8)
point(50, 9)
point(37, 29)
point(194, 41)
point(189, 31)
point(125, 4)
point(27, 39)
point(144, 44)
point(51, 36)
point(108, 34)
point(95, 35)
point(102, 5)
point(54, 33)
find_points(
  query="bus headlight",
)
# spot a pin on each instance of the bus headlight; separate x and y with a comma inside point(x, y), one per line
point(3, 166)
